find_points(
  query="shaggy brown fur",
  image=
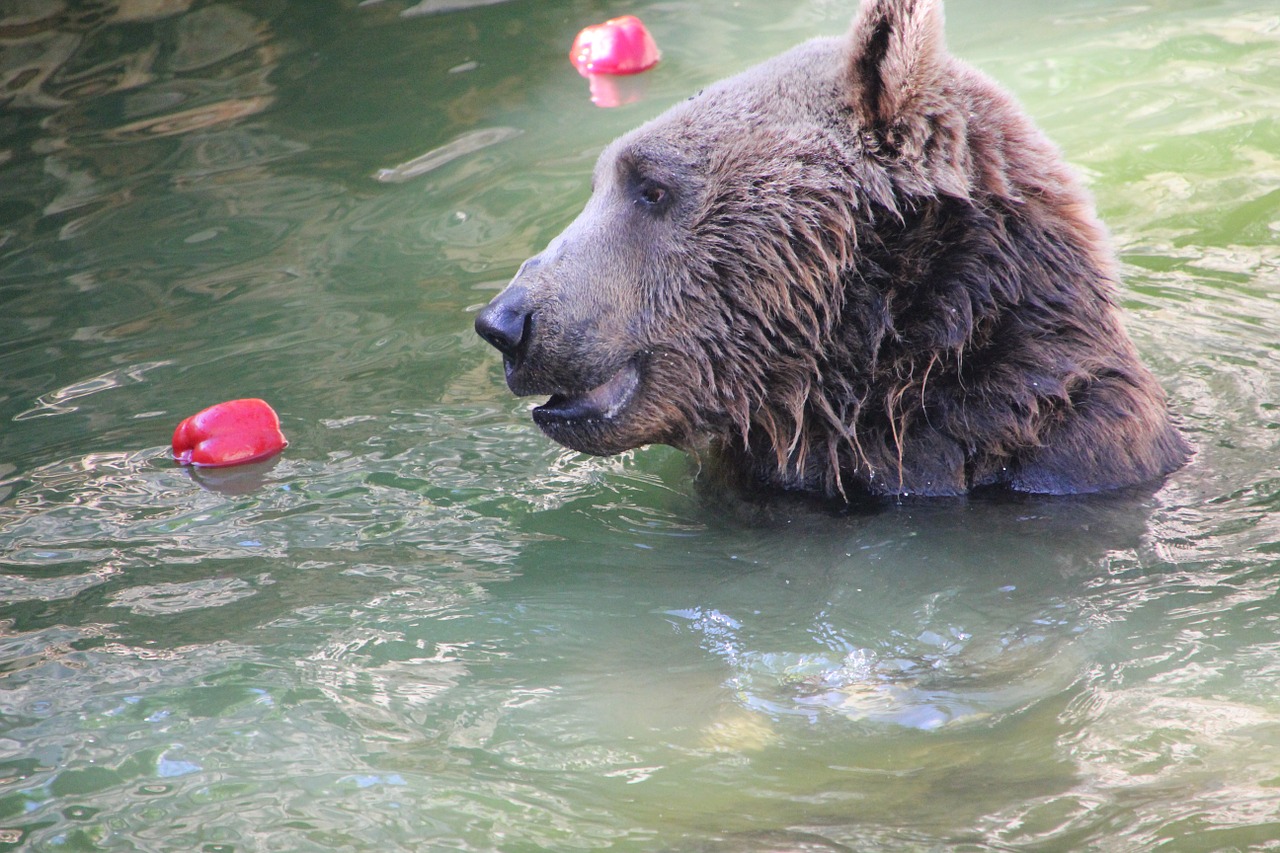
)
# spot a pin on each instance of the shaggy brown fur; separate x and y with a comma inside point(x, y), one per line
point(855, 269)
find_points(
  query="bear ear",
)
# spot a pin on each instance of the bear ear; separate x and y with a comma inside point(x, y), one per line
point(897, 59)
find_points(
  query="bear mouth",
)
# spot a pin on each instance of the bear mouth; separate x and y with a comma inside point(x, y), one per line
point(601, 403)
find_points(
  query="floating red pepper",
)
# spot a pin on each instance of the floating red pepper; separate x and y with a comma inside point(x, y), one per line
point(232, 433)
point(618, 46)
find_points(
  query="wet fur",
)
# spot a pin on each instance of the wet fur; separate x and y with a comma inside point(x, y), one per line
point(872, 275)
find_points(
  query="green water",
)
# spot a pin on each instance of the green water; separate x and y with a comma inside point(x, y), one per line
point(425, 627)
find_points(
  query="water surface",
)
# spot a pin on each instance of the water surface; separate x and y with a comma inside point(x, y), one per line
point(424, 627)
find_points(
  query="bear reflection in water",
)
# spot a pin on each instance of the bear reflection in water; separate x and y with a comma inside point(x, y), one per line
point(856, 269)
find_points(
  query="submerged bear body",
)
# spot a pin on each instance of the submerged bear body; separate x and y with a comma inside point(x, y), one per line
point(855, 269)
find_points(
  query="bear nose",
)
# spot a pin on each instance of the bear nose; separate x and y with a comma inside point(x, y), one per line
point(505, 321)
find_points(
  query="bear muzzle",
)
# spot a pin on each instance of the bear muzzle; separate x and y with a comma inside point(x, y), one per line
point(587, 407)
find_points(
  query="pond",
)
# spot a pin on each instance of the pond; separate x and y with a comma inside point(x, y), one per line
point(424, 626)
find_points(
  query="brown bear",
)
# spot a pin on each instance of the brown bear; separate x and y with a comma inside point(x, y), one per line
point(855, 269)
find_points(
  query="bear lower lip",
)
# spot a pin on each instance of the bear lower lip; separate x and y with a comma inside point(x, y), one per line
point(603, 402)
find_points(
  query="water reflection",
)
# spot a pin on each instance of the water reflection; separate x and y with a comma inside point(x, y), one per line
point(57, 402)
point(609, 90)
point(911, 617)
point(466, 144)
point(439, 7)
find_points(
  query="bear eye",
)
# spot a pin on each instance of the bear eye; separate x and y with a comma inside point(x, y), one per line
point(653, 194)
